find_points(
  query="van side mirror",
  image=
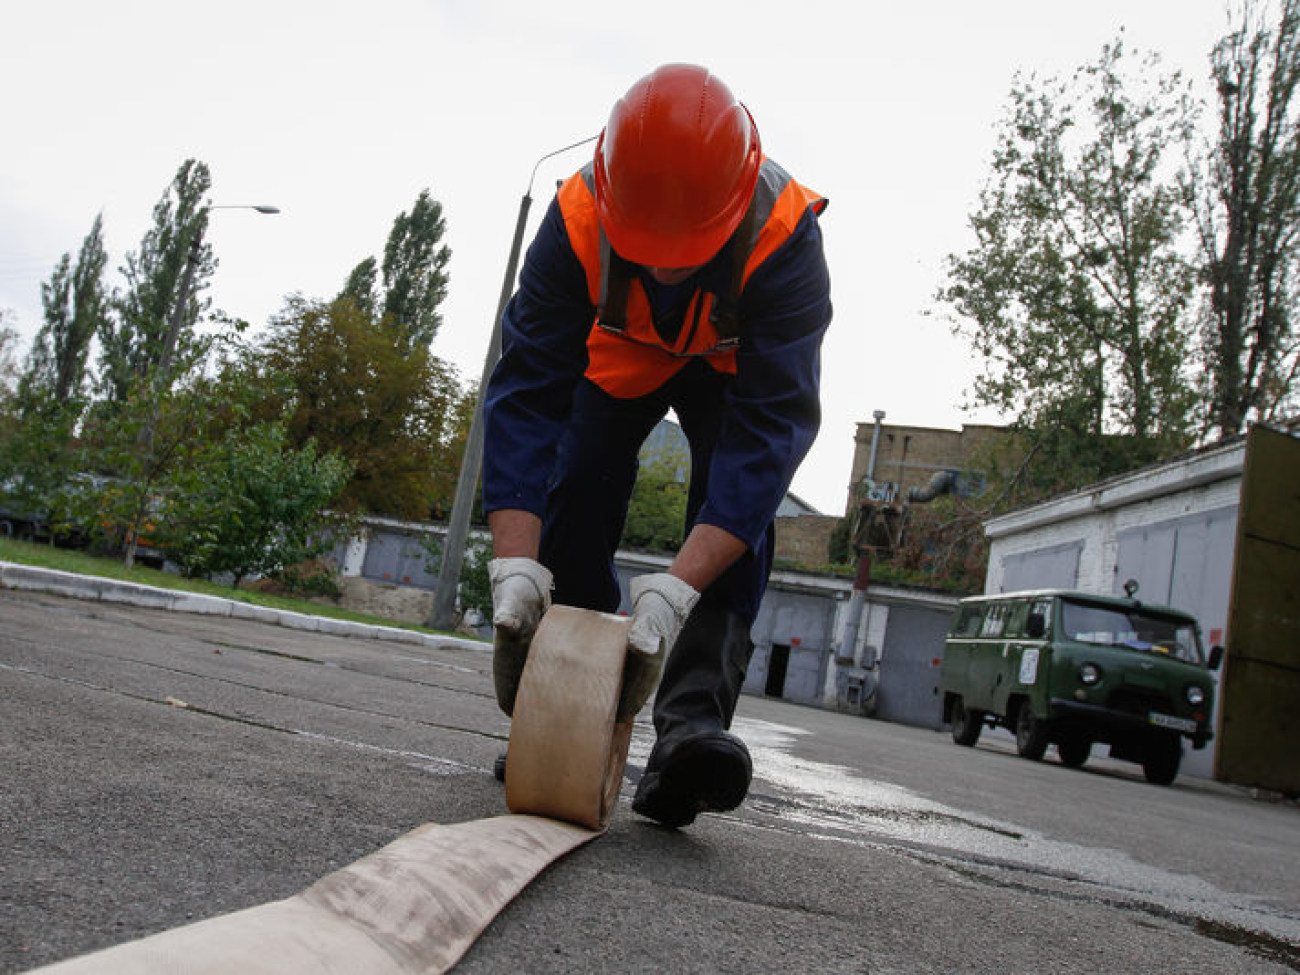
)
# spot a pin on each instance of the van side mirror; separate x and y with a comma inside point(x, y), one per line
point(1216, 657)
point(1035, 626)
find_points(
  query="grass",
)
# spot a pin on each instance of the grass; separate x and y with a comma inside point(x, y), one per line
point(82, 563)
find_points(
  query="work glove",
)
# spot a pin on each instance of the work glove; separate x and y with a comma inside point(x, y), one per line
point(521, 594)
point(660, 605)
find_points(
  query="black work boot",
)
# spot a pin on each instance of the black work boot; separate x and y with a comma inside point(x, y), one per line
point(697, 765)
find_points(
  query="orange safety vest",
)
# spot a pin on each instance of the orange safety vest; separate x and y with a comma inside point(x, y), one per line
point(626, 356)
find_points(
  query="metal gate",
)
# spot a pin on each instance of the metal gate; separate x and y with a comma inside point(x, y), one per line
point(909, 666)
point(792, 647)
point(399, 557)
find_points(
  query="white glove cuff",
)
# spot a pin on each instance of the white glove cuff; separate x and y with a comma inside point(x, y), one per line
point(539, 575)
point(681, 597)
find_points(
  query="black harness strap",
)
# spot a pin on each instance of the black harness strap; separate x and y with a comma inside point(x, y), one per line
point(725, 314)
point(615, 279)
point(616, 273)
point(616, 276)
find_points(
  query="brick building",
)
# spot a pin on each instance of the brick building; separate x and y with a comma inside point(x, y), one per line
point(907, 457)
point(910, 457)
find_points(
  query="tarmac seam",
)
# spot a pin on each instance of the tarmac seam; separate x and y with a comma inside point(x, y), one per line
point(182, 705)
point(292, 697)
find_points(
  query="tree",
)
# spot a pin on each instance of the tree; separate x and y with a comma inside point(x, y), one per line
point(1076, 289)
point(1246, 191)
point(362, 287)
point(134, 348)
point(354, 388)
point(26, 468)
point(8, 360)
point(76, 305)
point(414, 276)
point(474, 587)
point(943, 544)
point(135, 470)
point(445, 472)
point(36, 455)
point(249, 504)
point(656, 514)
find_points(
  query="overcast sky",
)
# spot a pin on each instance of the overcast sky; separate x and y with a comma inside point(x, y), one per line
point(340, 113)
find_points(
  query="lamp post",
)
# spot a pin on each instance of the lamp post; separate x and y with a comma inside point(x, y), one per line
point(443, 614)
point(175, 320)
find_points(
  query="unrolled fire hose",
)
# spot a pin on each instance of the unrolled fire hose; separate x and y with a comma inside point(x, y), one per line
point(418, 904)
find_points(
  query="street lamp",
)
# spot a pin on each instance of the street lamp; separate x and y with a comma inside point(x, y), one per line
point(174, 321)
point(442, 615)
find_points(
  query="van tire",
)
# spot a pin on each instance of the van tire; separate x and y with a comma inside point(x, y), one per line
point(966, 724)
point(1073, 751)
point(1163, 756)
point(1031, 734)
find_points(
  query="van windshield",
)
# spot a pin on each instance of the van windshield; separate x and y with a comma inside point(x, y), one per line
point(1133, 629)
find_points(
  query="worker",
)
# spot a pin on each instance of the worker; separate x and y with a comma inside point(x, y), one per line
point(680, 269)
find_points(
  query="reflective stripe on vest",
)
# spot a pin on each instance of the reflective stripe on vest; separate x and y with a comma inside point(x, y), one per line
point(626, 356)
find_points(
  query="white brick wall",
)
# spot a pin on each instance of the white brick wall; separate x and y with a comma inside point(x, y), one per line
point(1097, 516)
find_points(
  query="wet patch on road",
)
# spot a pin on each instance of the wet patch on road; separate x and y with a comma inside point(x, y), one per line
point(836, 804)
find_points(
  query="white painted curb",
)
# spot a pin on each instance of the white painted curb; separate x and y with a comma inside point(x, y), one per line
point(28, 578)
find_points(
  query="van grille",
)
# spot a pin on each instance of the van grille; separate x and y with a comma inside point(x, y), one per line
point(1132, 700)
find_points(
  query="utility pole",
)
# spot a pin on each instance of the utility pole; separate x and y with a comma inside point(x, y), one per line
point(862, 578)
point(443, 614)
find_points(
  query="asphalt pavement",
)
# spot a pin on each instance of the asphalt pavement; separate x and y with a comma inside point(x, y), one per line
point(160, 765)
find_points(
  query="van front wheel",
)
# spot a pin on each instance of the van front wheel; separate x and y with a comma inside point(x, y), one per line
point(1031, 734)
point(1163, 758)
point(966, 725)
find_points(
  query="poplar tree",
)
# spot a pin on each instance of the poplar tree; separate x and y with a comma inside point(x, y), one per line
point(406, 290)
point(415, 275)
point(134, 347)
point(76, 304)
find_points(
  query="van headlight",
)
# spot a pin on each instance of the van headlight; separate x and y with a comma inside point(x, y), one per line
point(1089, 674)
point(1195, 695)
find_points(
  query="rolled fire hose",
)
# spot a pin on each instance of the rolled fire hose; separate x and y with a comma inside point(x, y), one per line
point(418, 904)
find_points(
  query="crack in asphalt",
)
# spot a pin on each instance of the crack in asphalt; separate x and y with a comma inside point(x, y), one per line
point(231, 682)
point(1262, 944)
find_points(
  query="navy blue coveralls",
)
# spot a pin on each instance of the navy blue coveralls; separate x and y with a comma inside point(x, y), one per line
point(560, 447)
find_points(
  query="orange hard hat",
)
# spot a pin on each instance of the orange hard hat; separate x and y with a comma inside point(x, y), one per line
point(675, 168)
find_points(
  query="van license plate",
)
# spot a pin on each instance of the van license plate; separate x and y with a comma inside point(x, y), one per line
point(1169, 721)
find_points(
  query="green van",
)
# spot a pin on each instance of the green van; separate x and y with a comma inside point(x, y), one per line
point(1074, 670)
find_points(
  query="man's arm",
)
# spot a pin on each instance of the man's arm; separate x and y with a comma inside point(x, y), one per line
point(708, 552)
point(515, 533)
point(543, 356)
